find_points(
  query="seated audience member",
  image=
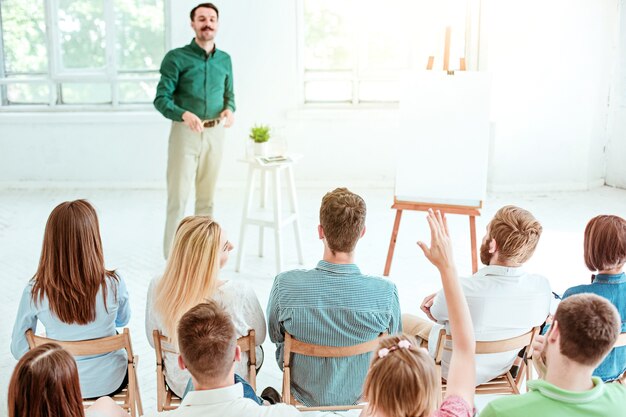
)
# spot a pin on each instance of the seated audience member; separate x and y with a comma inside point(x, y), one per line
point(45, 383)
point(584, 330)
point(208, 350)
point(191, 276)
point(75, 297)
point(402, 380)
point(503, 299)
point(333, 305)
point(605, 252)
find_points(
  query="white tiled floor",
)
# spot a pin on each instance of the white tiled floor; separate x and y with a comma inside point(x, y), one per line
point(132, 222)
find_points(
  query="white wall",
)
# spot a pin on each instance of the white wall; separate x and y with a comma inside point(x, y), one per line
point(616, 147)
point(551, 66)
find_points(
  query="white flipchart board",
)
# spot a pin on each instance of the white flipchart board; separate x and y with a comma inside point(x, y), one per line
point(442, 152)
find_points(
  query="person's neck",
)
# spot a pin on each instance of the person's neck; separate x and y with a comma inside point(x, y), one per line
point(497, 262)
point(569, 375)
point(206, 45)
point(227, 381)
point(613, 271)
point(338, 257)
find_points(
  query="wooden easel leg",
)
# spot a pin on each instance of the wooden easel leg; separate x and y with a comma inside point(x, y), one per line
point(392, 243)
point(472, 220)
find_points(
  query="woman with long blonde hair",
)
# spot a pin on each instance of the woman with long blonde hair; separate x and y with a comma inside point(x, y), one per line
point(191, 276)
point(75, 297)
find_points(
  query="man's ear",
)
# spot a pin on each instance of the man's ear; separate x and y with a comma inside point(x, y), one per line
point(237, 354)
point(181, 363)
point(362, 232)
point(553, 333)
point(320, 231)
point(493, 246)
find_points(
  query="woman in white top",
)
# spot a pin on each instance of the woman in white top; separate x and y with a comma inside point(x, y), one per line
point(199, 250)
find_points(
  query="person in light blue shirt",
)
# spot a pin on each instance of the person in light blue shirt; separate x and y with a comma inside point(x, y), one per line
point(75, 297)
point(605, 252)
point(333, 305)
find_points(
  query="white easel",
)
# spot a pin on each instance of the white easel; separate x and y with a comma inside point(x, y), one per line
point(273, 219)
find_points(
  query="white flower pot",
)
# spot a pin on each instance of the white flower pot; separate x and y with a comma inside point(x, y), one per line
point(261, 149)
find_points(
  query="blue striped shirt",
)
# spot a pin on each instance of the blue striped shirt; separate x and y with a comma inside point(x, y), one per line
point(332, 305)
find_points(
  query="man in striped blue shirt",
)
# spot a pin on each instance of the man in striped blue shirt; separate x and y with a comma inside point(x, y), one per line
point(332, 305)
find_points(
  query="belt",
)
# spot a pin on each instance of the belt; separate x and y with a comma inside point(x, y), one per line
point(210, 123)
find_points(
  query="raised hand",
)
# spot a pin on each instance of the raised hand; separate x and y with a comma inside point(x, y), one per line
point(440, 251)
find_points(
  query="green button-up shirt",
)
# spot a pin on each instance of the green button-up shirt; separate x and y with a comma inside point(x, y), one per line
point(192, 80)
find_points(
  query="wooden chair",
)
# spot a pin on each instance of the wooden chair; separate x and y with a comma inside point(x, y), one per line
point(294, 346)
point(166, 399)
point(505, 383)
point(129, 398)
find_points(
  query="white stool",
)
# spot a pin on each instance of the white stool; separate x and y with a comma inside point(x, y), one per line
point(274, 219)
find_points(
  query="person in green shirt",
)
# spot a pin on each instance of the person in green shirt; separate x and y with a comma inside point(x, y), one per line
point(196, 93)
point(585, 328)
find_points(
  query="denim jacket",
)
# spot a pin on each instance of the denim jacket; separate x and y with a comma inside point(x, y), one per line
point(613, 288)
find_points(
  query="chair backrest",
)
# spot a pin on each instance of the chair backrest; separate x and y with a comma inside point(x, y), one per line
point(166, 399)
point(131, 399)
point(294, 346)
point(517, 343)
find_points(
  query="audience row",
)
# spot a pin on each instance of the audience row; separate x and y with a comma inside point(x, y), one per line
point(77, 298)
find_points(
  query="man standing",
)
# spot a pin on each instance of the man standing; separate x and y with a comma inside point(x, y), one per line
point(196, 93)
point(332, 305)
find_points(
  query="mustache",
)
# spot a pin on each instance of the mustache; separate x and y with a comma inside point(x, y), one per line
point(207, 27)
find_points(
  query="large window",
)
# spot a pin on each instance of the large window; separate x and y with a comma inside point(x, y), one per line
point(69, 53)
point(356, 51)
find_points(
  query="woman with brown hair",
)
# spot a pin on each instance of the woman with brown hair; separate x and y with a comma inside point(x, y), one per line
point(75, 297)
point(45, 383)
point(605, 256)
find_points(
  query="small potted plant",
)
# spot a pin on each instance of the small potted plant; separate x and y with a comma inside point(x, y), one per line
point(260, 134)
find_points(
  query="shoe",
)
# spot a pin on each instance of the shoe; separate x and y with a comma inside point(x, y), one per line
point(272, 396)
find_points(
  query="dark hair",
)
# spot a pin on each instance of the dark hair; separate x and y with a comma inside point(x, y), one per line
point(342, 216)
point(589, 326)
point(192, 14)
point(207, 341)
point(605, 243)
point(71, 268)
point(45, 383)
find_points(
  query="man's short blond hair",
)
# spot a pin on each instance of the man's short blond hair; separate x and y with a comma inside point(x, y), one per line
point(516, 232)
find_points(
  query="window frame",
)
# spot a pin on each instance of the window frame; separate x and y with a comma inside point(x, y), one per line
point(357, 75)
point(56, 76)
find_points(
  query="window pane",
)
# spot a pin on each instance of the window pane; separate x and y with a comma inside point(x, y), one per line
point(81, 27)
point(21, 93)
point(84, 93)
point(328, 31)
point(140, 31)
point(137, 91)
point(377, 91)
point(24, 36)
point(328, 91)
point(384, 34)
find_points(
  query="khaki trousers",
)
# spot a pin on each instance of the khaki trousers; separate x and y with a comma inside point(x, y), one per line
point(191, 155)
point(418, 327)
